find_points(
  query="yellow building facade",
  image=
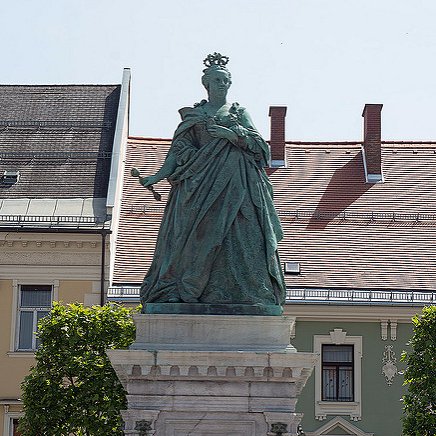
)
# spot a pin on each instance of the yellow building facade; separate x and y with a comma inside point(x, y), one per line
point(61, 165)
point(37, 269)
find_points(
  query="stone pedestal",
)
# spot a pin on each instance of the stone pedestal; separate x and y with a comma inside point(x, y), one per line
point(204, 375)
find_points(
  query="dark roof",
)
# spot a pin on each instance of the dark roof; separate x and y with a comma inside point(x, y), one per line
point(59, 138)
point(345, 233)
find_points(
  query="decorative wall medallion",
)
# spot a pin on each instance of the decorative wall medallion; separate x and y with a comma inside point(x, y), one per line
point(389, 369)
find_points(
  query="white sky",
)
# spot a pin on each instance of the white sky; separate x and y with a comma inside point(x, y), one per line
point(324, 59)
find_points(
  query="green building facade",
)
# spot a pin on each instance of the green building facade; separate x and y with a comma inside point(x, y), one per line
point(376, 335)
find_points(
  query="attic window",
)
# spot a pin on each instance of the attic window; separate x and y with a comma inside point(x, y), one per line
point(10, 177)
point(292, 268)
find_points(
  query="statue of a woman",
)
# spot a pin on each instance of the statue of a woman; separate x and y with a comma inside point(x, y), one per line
point(217, 243)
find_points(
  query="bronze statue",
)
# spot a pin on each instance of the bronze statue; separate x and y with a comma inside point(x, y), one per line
point(217, 243)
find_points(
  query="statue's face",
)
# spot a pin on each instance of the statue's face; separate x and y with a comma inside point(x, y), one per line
point(219, 83)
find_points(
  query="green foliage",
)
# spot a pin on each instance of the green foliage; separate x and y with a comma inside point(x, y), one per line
point(420, 377)
point(72, 389)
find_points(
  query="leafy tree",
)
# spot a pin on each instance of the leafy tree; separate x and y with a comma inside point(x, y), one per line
point(72, 389)
point(420, 377)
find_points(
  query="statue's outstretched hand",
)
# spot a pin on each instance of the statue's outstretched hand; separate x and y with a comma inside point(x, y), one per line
point(148, 181)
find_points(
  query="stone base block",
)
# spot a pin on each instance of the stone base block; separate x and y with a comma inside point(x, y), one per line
point(212, 332)
point(150, 423)
point(212, 375)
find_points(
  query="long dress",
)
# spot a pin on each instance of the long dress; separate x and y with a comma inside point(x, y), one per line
point(218, 238)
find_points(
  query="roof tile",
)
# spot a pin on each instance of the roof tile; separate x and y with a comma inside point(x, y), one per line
point(42, 128)
point(344, 232)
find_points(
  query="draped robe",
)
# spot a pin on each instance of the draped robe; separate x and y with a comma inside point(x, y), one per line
point(218, 238)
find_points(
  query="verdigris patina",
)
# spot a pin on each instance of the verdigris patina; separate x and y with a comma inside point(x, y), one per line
point(217, 244)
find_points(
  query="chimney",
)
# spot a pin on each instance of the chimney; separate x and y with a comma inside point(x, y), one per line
point(372, 142)
point(277, 141)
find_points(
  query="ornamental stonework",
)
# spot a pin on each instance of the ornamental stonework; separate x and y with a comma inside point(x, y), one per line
point(389, 368)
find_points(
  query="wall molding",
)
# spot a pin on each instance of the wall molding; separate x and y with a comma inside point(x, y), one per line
point(352, 313)
point(37, 244)
point(50, 272)
point(17, 258)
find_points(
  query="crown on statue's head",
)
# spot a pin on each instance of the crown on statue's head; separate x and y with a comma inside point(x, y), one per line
point(216, 59)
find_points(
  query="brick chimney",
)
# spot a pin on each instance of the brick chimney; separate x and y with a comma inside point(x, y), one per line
point(372, 142)
point(277, 141)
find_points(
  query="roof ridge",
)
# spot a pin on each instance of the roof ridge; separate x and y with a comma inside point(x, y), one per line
point(147, 138)
point(323, 142)
point(59, 85)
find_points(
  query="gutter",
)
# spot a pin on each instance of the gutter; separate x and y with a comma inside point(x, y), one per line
point(102, 278)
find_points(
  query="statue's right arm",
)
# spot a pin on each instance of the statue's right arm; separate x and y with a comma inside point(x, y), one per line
point(180, 152)
point(165, 171)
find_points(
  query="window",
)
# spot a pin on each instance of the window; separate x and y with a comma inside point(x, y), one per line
point(10, 421)
point(10, 177)
point(337, 373)
point(15, 431)
point(34, 302)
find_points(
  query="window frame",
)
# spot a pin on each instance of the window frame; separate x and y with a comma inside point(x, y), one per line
point(34, 311)
point(16, 311)
point(337, 369)
point(8, 426)
point(12, 425)
point(353, 408)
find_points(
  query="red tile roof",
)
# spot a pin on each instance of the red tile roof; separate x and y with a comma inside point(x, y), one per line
point(344, 232)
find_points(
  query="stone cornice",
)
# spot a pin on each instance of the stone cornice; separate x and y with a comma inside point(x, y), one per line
point(42, 244)
point(212, 365)
point(350, 313)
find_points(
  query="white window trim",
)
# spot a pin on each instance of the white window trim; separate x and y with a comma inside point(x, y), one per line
point(8, 417)
point(342, 424)
point(324, 408)
point(15, 309)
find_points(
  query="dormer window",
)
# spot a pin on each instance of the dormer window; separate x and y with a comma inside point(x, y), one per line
point(10, 177)
point(292, 267)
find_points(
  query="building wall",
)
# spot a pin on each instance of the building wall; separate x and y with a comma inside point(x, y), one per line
point(381, 406)
point(71, 263)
